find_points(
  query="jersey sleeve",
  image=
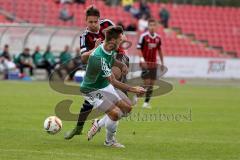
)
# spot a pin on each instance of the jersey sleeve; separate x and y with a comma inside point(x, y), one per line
point(106, 70)
point(140, 42)
point(83, 44)
point(159, 44)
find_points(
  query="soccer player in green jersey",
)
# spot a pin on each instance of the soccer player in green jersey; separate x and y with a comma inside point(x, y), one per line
point(99, 86)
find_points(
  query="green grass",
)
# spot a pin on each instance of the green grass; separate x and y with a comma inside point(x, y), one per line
point(213, 133)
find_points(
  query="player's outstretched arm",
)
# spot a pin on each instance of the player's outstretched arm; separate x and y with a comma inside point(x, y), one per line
point(160, 55)
point(85, 55)
point(125, 87)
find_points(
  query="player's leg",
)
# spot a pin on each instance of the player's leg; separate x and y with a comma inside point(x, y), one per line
point(21, 68)
point(149, 90)
point(125, 109)
point(111, 100)
point(84, 112)
point(111, 127)
point(101, 122)
point(149, 81)
point(111, 112)
point(111, 123)
point(147, 94)
point(125, 104)
point(122, 109)
point(105, 104)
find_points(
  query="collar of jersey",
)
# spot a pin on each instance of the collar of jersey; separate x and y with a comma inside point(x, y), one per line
point(108, 53)
point(151, 35)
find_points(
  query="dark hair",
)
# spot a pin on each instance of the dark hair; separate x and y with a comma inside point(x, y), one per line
point(113, 32)
point(151, 20)
point(92, 11)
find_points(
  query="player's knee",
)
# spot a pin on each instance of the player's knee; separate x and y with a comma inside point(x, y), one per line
point(115, 114)
point(126, 111)
point(128, 108)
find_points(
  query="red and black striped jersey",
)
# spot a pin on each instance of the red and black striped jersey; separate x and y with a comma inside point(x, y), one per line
point(149, 45)
point(88, 38)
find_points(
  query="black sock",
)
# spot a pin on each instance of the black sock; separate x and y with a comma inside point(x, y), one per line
point(84, 112)
point(149, 94)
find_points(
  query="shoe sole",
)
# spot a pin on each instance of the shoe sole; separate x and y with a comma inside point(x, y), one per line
point(112, 146)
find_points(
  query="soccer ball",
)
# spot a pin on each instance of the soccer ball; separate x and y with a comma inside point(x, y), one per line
point(52, 125)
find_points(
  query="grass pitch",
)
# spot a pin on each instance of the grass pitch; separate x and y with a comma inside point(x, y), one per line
point(201, 122)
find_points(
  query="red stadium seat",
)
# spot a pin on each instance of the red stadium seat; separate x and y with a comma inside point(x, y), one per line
point(218, 25)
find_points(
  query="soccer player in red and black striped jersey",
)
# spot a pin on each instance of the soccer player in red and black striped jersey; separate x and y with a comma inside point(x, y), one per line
point(149, 46)
point(94, 34)
point(89, 40)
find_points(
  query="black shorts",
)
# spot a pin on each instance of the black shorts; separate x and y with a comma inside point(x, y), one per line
point(150, 73)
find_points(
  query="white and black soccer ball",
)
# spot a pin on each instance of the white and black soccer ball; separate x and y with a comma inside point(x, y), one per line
point(52, 125)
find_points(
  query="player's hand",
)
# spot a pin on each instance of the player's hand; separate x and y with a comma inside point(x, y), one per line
point(138, 90)
point(124, 69)
point(162, 68)
point(98, 42)
point(142, 63)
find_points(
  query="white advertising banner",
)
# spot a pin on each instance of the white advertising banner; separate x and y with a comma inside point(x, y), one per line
point(202, 67)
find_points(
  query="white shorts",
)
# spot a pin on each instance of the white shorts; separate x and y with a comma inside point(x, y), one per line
point(103, 99)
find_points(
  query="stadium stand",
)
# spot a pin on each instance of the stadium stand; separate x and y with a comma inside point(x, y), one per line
point(219, 26)
point(211, 24)
point(3, 19)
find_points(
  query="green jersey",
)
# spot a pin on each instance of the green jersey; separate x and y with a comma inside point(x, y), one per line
point(65, 57)
point(49, 57)
point(98, 69)
point(38, 58)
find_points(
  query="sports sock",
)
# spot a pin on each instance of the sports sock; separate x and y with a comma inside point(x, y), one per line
point(149, 94)
point(84, 112)
point(102, 121)
point(111, 127)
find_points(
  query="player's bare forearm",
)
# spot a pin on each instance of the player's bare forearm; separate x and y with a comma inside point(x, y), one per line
point(125, 87)
point(140, 54)
point(142, 60)
point(118, 84)
point(161, 56)
point(85, 55)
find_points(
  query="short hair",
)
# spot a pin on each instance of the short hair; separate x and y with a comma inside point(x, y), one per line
point(151, 20)
point(112, 32)
point(92, 11)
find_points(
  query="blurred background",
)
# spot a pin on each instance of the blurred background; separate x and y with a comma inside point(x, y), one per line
point(200, 38)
